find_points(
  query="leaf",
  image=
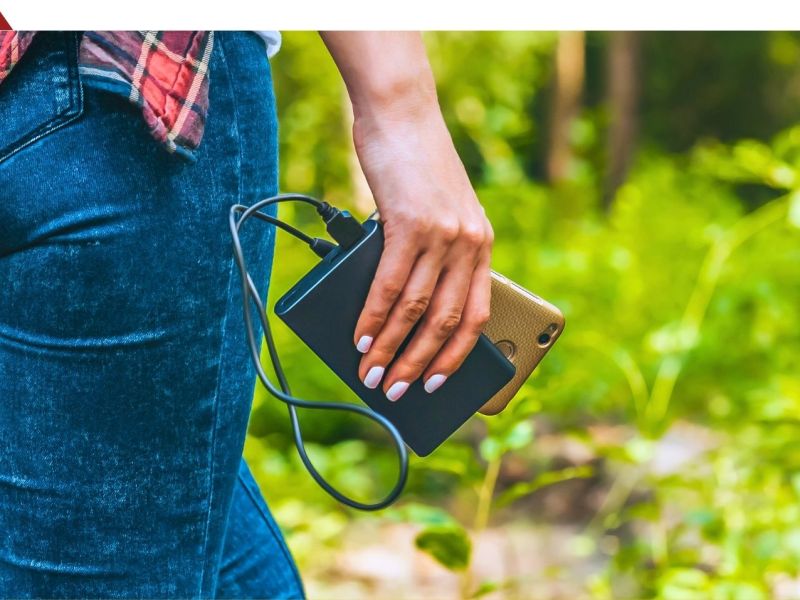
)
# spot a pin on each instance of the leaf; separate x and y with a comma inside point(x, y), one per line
point(486, 587)
point(490, 448)
point(521, 435)
point(497, 444)
point(682, 583)
point(517, 491)
point(449, 545)
point(794, 209)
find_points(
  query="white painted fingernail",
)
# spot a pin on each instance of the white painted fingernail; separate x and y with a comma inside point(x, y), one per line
point(434, 382)
point(364, 344)
point(373, 377)
point(398, 389)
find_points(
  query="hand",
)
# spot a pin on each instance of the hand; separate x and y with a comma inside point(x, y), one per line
point(435, 264)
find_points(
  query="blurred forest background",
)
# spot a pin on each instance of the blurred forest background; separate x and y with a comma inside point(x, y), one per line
point(648, 184)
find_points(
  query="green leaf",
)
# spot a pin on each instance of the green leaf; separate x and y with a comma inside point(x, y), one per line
point(449, 545)
point(490, 448)
point(518, 490)
point(794, 209)
point(495, 445)
point(486, 587)
point(521, 435)
point(639, 450)
point(684, 584)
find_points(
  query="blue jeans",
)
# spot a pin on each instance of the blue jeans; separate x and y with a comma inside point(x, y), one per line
point(125, 385)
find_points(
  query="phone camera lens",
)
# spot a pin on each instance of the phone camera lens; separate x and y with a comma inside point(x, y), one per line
point(544, 339)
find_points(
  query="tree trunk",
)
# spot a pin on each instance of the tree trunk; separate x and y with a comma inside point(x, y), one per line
point(623, 99)
point(570, 71)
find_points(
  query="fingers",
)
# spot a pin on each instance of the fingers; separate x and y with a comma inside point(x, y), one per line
point(440, 321)
point(449, 292)
point(393, 271)
point(464, 338)
point(407, 310)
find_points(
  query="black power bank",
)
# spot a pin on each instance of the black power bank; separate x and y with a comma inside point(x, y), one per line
point(323, 309)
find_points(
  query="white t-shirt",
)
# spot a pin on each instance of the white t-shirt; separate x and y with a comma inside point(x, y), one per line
point(272, 39)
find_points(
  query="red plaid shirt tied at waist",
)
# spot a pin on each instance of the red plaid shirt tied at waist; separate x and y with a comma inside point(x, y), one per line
point(165, 73)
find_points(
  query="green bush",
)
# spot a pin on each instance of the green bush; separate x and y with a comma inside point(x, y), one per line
point(683, 337)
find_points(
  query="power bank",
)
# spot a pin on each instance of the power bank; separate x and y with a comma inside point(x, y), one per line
point(323, 309)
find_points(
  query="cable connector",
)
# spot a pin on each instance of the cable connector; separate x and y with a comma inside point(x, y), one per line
point(341, 225)
point(321, 247)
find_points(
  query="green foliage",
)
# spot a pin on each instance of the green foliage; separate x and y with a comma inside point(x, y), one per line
point(448, 544)
point(678, 374)
point(526, 488)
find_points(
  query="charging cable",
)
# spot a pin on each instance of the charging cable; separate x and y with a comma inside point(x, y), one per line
point(346, 230)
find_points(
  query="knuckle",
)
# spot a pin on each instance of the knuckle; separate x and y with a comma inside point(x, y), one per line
point(414, 308)
point(447, 231)
point(479, 319)
point(373, 314)
point(473, 234)
point(382, 356)
point(411, 365)
point(390, 291)
point(446, 323)
point(474, 329)
point(381, 352)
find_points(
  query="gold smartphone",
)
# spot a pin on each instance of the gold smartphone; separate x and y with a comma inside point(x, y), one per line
point(523, 327)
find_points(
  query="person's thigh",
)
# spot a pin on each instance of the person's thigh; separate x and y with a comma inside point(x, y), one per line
point(125, 386)
point(256, 562)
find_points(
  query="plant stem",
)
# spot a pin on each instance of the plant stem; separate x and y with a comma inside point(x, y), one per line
point(700, 299)
point(486, 494)
point(627, 365)
point(607, 516)
point(481, 520)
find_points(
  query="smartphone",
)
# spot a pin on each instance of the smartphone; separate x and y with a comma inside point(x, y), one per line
point(323, 309)
point(523, 327)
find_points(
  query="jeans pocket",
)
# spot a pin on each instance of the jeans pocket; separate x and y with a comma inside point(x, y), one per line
point(42, 93)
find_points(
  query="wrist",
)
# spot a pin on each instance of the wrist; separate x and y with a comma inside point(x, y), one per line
point(406, 95)
point(398, 126)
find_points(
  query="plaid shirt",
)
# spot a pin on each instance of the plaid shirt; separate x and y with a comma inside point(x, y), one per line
point(165, 73)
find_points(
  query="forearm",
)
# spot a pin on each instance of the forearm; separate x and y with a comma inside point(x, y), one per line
point(434, 268)
point(385, 72)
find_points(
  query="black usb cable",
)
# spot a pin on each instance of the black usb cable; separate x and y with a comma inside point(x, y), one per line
point(346, 230)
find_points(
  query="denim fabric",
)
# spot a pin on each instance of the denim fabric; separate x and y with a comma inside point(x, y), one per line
point(125, 385)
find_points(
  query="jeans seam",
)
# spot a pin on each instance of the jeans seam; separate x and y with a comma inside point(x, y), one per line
point(223, 326)
point(275, 532)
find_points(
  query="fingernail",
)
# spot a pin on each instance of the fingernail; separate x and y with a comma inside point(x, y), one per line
point(397, 390)
point(434, 382)
point(373, 377)
point(364, 344)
